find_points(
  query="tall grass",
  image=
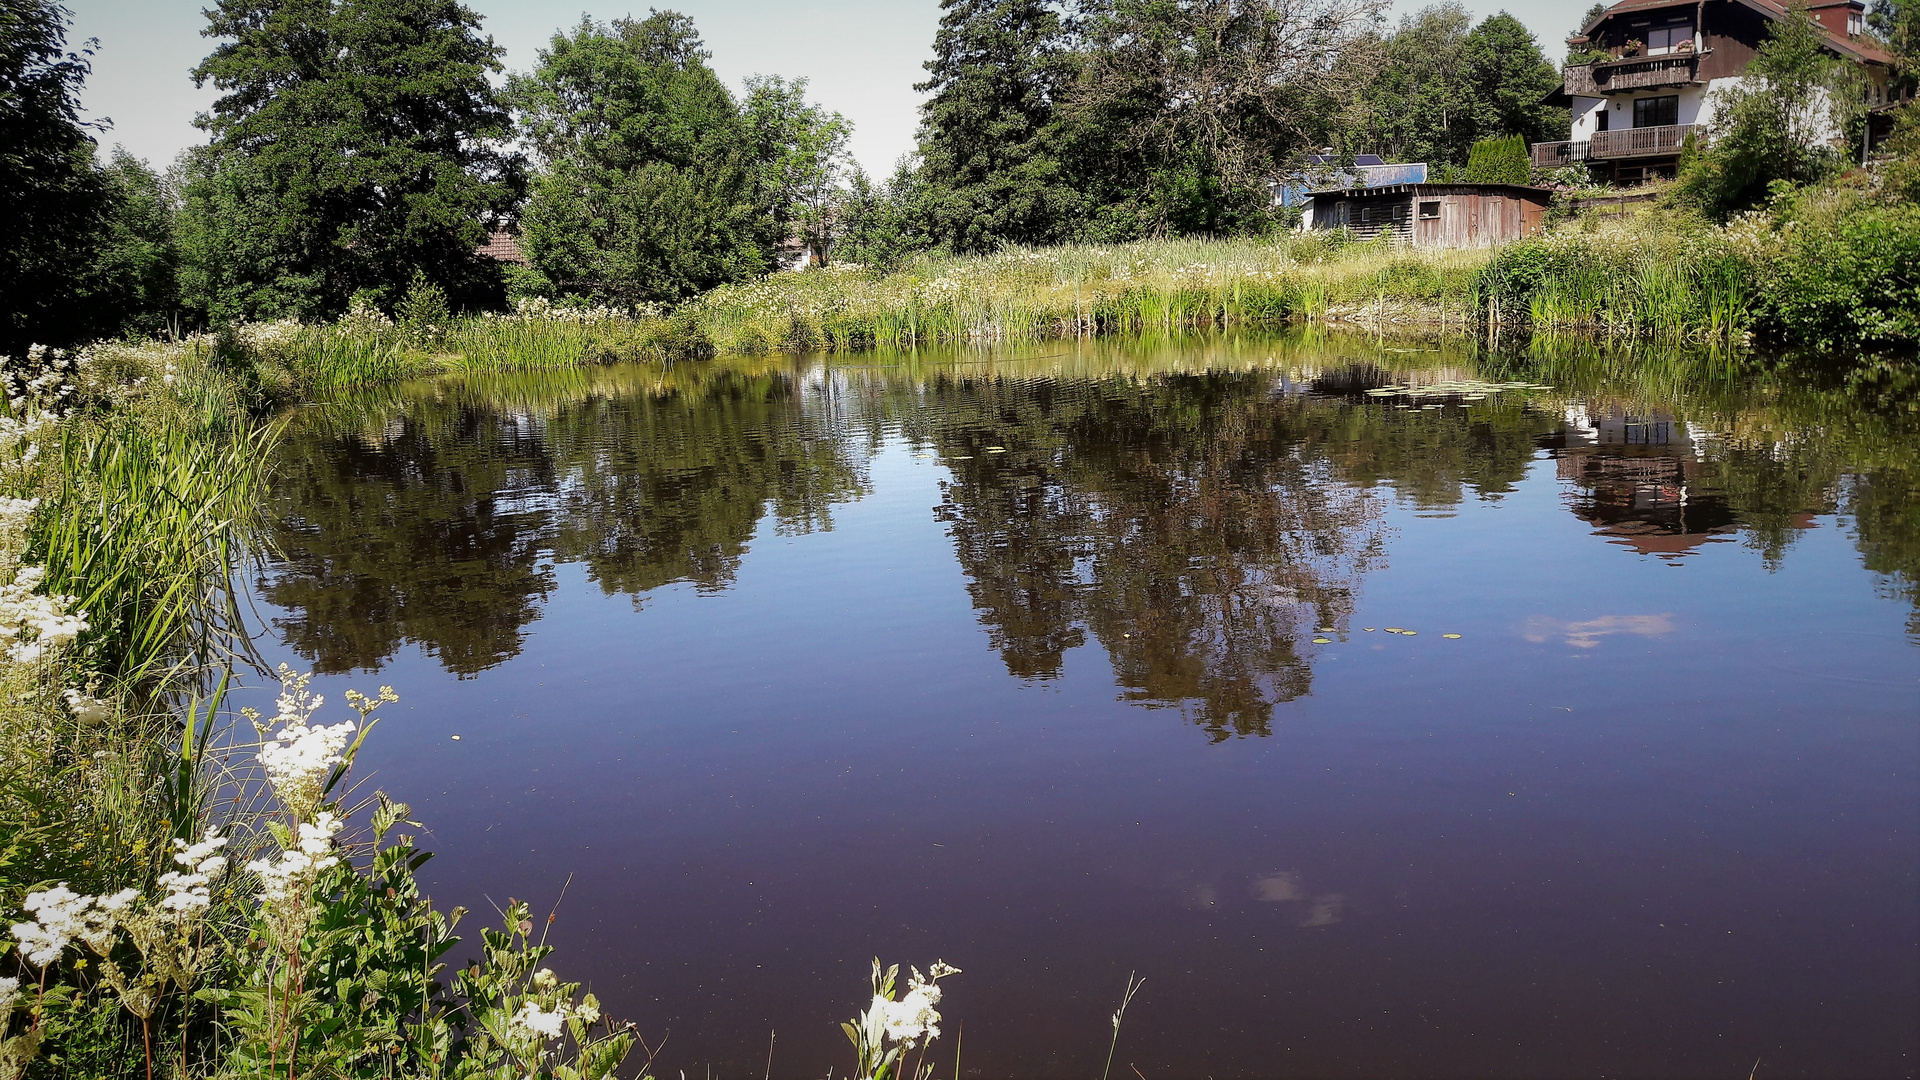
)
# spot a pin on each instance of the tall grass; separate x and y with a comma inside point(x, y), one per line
point(1081, 290)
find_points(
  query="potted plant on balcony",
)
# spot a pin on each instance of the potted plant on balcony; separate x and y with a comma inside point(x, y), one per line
point(1684, 47)
point(1632, 47)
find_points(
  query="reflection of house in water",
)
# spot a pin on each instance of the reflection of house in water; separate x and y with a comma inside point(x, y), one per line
point(1637, 481)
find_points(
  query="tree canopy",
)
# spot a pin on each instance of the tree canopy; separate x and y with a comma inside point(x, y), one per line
point(355, 143)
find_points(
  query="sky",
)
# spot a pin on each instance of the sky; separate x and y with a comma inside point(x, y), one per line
point(861, 57)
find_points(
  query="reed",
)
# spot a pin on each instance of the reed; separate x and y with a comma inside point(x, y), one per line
point(1163, 286)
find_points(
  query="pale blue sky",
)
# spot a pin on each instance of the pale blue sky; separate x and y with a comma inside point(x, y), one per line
point(862, 57)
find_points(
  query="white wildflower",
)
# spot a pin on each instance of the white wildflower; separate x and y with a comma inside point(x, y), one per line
point(539, 1021)
point(299, 757)
point(9, 997)
point(296, 868)
point(86, 708)
point(59, 917)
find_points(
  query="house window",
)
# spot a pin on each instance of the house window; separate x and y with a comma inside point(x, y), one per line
point(1366, 214)
point(1856, 24)
point(1400, 211)
point(1656, 112)
point(1665, 39)
point(1430, 211)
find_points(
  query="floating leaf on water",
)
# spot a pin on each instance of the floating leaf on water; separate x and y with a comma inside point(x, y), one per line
point(1326, 630)
point(1451, 637)
point(1322, 641)
point(1408, 633)
point(1393, 629)
point(456, 738)
point(996, 449)
point(1368, 629)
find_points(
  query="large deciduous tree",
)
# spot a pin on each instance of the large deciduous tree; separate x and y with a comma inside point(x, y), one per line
point(651, 188)
point(57, 200)
point(1447, 84)
point(802, 150)
point(355, 143)
point(1233, 89)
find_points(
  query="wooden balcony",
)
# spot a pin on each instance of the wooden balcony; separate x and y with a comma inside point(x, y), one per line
point(1633, 73)
point(1664, 141)
point(1557, 155)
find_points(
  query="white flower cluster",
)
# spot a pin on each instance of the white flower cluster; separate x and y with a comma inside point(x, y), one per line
point(31, 624)
point(299, 756)
point(539, 1021)
point(86, 708)
point(190, 891)
point(45, 380)
point(541, 309)
point(547, 1023)
point(62, 916)
point(295, 869)
point(9, 997)
point(913, 1017)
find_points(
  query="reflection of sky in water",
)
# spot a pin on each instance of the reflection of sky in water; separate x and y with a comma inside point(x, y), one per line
point(933, 706)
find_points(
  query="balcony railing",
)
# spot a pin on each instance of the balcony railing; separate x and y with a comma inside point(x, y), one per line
point(1554, 155)
point(1663, 141)
point(1633, 73)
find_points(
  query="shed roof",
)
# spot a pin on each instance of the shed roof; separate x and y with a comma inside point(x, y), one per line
point(1522, 191)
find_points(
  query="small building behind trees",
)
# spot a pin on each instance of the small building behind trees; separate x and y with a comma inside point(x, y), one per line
point(1432, 215)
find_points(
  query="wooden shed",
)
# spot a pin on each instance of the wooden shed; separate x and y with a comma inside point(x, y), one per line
point(1433, 215)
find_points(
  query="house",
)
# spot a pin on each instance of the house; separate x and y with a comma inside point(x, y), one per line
point(1324, 173)
point(1633, 110)
point(1432, 215)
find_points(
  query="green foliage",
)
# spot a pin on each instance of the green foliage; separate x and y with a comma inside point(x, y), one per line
point(802, 150)
point(1446, 85)
point(1500, 161)
point(1847, 274)
point(1772, 126)
point(653, 189)
point(988, 161)
point(354, 144)
point(58, 203)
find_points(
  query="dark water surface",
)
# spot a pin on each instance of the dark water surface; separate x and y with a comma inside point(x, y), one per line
point(1011, 660)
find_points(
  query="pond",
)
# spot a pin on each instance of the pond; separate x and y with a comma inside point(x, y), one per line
point(1393, 708)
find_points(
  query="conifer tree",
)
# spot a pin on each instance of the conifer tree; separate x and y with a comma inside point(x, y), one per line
point(995, 78)
point(354, 143)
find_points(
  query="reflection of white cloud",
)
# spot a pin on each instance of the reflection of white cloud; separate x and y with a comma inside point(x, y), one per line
point(1278, 888)
point(1587, 634)
point(1325, 910)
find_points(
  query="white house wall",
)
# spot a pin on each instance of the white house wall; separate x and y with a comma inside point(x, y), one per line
point(1586, 113)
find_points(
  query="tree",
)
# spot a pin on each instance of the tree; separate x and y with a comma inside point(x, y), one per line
point(132, 284)
point(1444, 87)
point(1243, 86)
point(1499, 161)
point(1777, 124)
point(879, 223)
point(1509, 75)
point(57, 199)
point(355, 143)
point(652, 189)
point(994, 81)
point(803, 151)
point(1421, 103)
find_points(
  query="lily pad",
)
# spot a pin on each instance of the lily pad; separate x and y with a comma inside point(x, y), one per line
point(1451, 637)
point(1322, 641)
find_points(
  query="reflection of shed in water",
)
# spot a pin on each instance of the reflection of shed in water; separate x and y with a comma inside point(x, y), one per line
point(1637, 481)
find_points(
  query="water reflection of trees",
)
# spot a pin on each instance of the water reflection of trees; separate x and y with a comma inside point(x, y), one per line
point(1196, 512)
point(1183, 521)
point(436, 515)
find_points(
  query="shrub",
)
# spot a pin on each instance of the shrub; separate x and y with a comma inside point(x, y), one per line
point(1499, 161)
point(1846, 273)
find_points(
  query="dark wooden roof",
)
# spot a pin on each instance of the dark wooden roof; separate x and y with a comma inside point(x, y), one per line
point(502, 246)
point(1518, 191)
